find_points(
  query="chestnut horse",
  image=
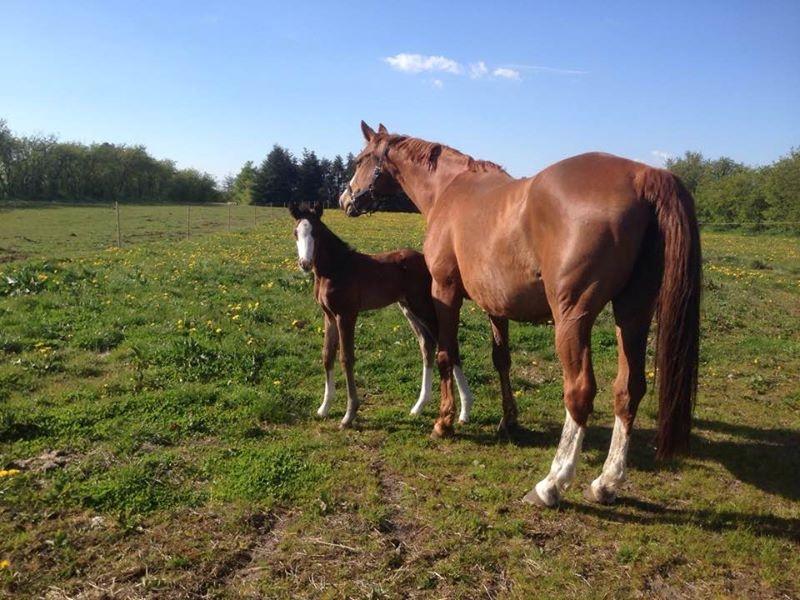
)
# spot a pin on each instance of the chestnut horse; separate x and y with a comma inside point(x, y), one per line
point(560, 245)
point(346, 283)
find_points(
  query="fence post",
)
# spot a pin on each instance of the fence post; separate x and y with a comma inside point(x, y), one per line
point(119, 233)
point(188, 219)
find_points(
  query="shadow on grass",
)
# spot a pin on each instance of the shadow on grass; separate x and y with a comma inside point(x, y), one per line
point(768, 459)
point(642, 512)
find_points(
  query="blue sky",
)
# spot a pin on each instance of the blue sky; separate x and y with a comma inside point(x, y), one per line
point(212, 84)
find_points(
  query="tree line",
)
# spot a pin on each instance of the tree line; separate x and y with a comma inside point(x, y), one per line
point(40, 167)
point(43, 168)
point(282, 178)
point(727, 191)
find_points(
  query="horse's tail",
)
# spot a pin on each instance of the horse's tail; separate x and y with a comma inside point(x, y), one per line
point(678, 310)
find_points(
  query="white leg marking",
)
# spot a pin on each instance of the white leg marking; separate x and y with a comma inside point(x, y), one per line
point(604, 488)
point(330, 392)
point(562, 472)
point(425, 391)
point(464, 393)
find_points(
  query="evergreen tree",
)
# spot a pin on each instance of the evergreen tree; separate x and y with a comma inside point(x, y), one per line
point(276, 180)
point(309, 178)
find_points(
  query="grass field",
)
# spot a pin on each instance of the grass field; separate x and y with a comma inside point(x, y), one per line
point(158, 438)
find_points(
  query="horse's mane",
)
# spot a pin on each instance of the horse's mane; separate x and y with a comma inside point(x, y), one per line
point(427, 153)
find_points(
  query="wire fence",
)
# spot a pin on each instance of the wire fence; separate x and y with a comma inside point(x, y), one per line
point(31, 229)
point(40, 228)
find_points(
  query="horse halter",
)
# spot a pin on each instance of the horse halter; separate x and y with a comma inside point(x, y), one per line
point(370, 189)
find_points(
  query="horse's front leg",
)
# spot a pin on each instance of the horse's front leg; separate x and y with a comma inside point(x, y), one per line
point(501, 357)
point(346, 324)
point(329, 348)
point(447, 301)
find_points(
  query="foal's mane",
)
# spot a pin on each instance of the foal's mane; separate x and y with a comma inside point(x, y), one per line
point(427, 153)
point(335, 247)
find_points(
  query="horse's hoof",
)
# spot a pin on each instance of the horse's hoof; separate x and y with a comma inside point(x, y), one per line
point(543, 498)
point(600, 494)
point(322, 412)
point(345, 425)
point(463, 421)
point(441, 431)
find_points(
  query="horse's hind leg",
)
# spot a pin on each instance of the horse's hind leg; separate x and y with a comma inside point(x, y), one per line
point(573, 344)
point(501, 358)
point(633, 324)
point(427, 346)
point(347, 325)
point(329, 347)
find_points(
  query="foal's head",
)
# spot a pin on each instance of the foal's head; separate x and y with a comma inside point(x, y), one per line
point(372, 177)
point(306, 229)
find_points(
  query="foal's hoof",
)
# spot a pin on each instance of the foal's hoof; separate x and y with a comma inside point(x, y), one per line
point(507, 429)
point(600, 494)
point(441, 430)
point(345, 425)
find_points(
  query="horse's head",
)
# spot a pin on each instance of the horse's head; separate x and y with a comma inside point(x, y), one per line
point(307, 226)
point(372, 178)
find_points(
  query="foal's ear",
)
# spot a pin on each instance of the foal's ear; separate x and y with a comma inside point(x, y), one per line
point(316, 208)
point(382, 129)
point(368, 131)
point(294, 210)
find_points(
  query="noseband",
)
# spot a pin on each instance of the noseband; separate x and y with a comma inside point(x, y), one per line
point(369, 191)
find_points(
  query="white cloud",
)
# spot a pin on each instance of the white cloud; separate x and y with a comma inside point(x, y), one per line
point(437, 83)
point(478, 70)
point(506, 73)
point(417, 63)
point(543, 69)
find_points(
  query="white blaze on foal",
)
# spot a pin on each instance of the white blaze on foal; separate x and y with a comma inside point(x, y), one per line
point(562, 472)
point(305, 244)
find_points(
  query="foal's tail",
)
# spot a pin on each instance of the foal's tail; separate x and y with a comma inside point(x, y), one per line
point(678, 339)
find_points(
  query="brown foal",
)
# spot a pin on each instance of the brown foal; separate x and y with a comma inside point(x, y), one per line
point(583, 232)
point(346, 283)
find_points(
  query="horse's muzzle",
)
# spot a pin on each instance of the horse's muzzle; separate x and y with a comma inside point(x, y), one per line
point(304, 264)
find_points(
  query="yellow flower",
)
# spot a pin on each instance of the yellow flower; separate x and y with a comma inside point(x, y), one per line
point(276, 382)
point(5, 564)
point(8, 472)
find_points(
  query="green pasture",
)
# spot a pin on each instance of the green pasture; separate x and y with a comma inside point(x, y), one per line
point(158, 435)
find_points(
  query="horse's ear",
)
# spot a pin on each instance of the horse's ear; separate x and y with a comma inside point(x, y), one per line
point(317, 209)
point(294, 210)
point(368, 131)
point(382, 129)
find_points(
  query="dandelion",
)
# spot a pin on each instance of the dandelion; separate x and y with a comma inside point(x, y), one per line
point(276, 382)
point(8, 472)
point(5, 564)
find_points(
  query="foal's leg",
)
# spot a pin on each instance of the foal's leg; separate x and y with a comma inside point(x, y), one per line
point(329, 347)
point(501, 358)
point(347, 325)
point(448, 304)
point(629, 388)
point(573, 344)
point(427, 346)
